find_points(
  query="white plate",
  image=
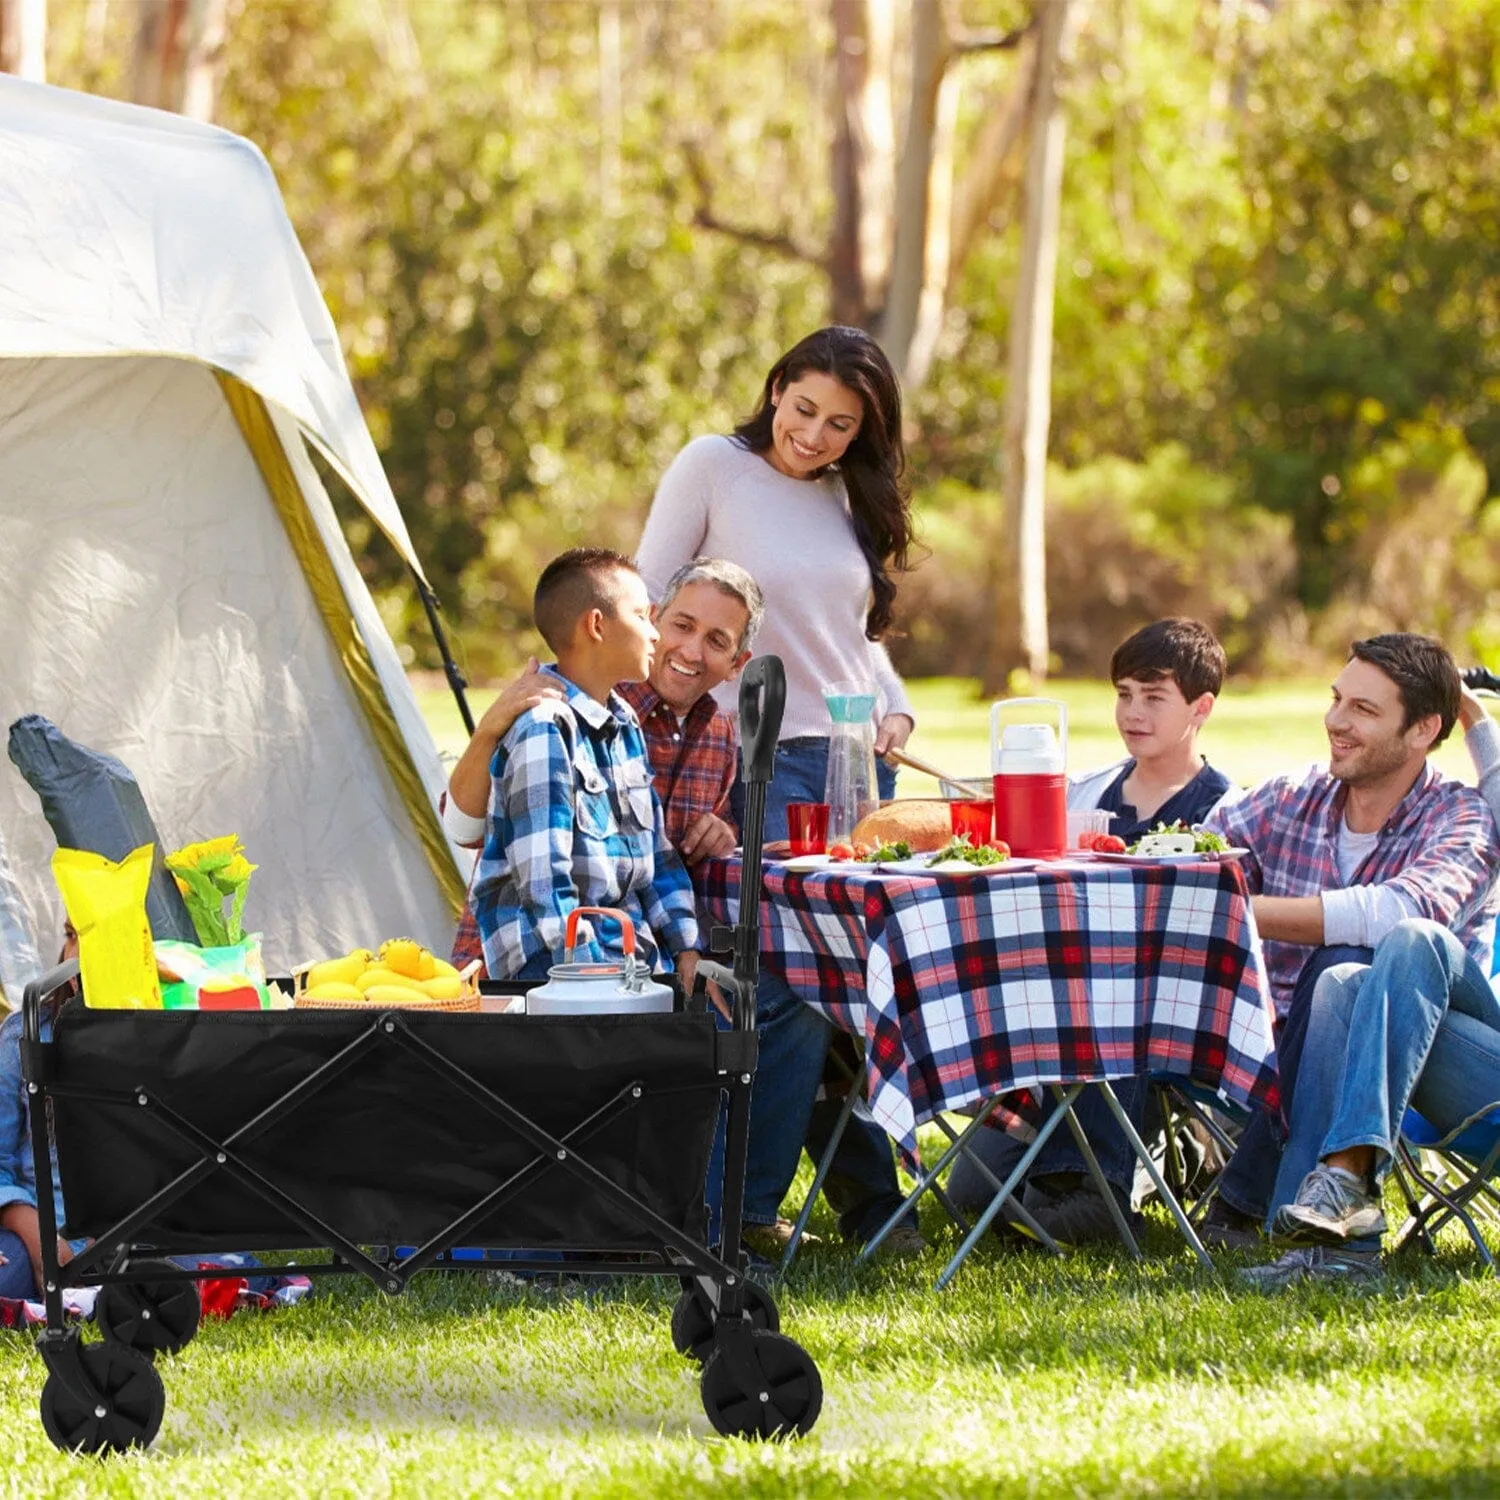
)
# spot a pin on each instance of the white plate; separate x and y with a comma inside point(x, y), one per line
point(1206, 857)
point(801, 863)
point(922, 865)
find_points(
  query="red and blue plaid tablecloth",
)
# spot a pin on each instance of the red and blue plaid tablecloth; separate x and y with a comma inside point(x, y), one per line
point(966, 986)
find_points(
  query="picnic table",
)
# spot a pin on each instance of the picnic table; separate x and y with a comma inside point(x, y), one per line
point(968, 987)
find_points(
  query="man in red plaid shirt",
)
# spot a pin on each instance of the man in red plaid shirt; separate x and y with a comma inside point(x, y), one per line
point(707, 619)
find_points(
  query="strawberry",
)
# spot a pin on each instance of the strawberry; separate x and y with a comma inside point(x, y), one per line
point(1109, 843)
point(999, 846)
point(841, 851)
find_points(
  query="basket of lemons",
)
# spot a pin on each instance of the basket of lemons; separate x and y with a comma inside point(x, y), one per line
point(401, 972)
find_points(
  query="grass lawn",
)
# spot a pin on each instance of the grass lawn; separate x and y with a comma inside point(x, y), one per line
point(1029, 1376)
point(1090, 1376)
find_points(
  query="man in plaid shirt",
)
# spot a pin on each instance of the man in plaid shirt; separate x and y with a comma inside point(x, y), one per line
point(1339, 858)
point(707, 619)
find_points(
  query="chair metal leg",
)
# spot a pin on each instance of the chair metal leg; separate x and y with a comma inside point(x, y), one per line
point(820, 1176)
point(1019, 1171)
point(1165, 1193)
point(1101, 1182)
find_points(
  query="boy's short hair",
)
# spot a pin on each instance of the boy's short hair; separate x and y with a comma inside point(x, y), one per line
point(729, 578)
point(579, 580)
point(1183, 649)
point(1424, 672)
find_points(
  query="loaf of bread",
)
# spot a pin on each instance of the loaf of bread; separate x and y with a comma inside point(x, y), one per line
point(921, 822)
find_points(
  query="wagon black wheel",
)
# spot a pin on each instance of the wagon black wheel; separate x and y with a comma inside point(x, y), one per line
point(693, 1319)
point(785, 1392)
point(124, 1411)
point(157, 1317)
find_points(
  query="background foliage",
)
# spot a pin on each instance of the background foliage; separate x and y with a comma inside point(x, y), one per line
point(1278, 319)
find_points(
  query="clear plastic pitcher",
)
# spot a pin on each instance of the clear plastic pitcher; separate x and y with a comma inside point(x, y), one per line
point(850, 789)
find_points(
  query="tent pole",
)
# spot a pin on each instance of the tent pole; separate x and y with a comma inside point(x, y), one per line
point(451, 670)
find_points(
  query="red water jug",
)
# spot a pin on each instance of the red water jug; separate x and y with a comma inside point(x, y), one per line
point(1031, 783)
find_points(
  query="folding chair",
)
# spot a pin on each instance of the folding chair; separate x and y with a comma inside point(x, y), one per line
point(1460, 1186)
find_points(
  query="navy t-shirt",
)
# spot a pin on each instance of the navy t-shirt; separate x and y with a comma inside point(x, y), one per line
point(1191, 804)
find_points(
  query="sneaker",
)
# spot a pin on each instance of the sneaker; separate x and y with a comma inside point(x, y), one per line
point(1080, 1217)
point(1331, 1206)
point(1225, 1227)
point(1316, 1263)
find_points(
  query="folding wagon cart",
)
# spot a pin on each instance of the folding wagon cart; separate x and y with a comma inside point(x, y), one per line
point(357, 1132)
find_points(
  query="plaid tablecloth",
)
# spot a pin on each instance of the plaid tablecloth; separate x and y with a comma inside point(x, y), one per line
point(966, 986)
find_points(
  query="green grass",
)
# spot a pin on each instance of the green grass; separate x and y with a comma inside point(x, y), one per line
point(1257, 729)
point(1091, 1376)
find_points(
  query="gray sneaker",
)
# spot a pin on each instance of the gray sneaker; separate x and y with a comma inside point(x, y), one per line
point(1331, 1206)
point(1316, 1263)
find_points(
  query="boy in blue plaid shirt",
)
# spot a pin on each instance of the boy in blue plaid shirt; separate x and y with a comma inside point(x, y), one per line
point(574, 819)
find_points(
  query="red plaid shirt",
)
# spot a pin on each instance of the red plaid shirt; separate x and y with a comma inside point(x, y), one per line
point(693, 763)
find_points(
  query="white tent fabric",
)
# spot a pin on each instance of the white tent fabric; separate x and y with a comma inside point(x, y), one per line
point(151, 603)
point(132, 231)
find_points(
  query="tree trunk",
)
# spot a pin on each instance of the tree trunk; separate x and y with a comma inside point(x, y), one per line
point(863, 159)
point(179, 49)
point(1021, 635)
point(990, 169)
point(23, 39)
point(924, 195)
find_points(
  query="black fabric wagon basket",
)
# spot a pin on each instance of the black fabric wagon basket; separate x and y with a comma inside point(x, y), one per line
point(396, 1141)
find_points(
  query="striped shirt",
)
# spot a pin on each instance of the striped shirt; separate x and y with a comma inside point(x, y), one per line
point(574, 821)
point(693, 762)
point(1436, 851)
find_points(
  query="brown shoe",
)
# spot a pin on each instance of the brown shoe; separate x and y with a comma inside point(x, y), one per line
point(1225, 1227)
point(904, 1239)
point(769, 1241)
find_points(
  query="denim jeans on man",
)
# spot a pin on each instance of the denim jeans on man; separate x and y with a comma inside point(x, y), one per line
point(1419, 1026)
point(1247, 1182)
point(793, 1045)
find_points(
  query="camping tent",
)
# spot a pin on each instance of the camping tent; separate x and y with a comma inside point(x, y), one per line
point(174, 586)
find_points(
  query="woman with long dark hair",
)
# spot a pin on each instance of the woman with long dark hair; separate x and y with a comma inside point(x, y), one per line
point(809, 497)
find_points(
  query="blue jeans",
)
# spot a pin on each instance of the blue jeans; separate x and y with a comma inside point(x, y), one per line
point(1249, 1179)
point(1115, 1156)
point(17, 1284)
point(1420, 1025)
point(793, 1042)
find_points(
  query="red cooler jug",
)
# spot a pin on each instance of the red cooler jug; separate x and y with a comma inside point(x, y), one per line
point(1030, 761)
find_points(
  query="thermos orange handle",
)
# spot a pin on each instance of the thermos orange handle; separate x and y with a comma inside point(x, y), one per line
point(570, 933)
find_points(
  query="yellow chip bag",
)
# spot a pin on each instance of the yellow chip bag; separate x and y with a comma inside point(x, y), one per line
point(106, 904)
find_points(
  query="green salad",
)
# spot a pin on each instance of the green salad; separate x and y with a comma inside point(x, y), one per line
point(1204, 841)
point(962, 848)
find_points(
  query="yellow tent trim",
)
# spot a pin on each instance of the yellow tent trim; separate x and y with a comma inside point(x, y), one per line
point(265, 444)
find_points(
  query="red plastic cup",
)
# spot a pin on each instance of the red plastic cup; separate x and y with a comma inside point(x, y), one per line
point(977, 819)
point(807, 827)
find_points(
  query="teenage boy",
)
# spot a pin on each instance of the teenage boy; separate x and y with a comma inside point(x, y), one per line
point(574, 818)
point(1167, 677)
point(707, 619)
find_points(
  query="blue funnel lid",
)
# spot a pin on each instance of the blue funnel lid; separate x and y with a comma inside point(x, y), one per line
point(850, 708)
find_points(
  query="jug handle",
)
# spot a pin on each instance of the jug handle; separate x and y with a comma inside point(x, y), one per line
point(570, 933)
point(1062, 725)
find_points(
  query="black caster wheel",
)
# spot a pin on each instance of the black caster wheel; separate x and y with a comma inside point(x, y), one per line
point(693, 1319)
point(767, 1388)
point(156, 1317)
point(125, 1410)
